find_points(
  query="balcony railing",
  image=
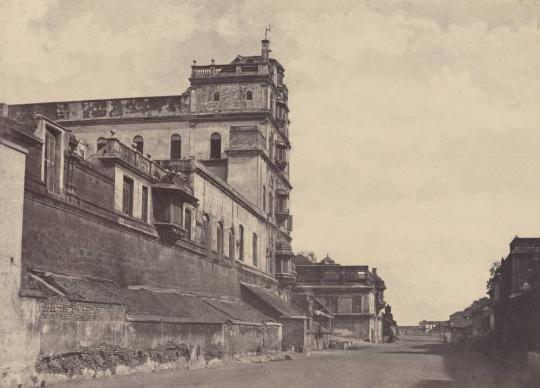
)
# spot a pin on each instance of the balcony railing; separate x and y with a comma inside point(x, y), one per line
point(281, 215)
point(178, 165)
point(281, 164)
point(115, 149)
point(227, 70)
point(284, 249)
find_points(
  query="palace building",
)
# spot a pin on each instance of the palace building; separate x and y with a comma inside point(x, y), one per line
point(149, 232)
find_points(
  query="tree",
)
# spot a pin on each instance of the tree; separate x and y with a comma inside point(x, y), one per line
point(492, 272)
point(310, 255)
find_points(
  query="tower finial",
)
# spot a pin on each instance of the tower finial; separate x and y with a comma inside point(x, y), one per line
point(265, 52)
point(267, 32)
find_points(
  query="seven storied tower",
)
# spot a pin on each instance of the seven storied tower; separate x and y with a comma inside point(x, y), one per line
point(250, 100)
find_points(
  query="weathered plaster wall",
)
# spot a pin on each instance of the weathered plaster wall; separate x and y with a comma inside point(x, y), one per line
point(65, 325)
point(18, 331)
point(247, 339)
point(232, 97)
point(222, 208)
point(138, 183)
point(98, 109)
point(358, 327)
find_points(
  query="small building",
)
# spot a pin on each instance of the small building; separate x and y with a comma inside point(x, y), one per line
point(514, 291)
point(353, 294)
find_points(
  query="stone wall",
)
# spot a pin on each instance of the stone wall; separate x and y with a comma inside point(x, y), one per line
point(294, 334)
point(19, 342)
point(61, 238)
point(232, 97)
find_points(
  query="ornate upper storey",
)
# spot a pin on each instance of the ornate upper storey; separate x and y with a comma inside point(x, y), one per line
point(248, 85)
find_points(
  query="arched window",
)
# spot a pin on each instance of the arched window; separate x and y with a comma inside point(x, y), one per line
point(101, 143)
point(219, 239)
point(264, 198)
point(254, 249)
point(216, 96)
point(249, 95)
point(176, 147)
point(205, 240)
point(138, 143)
point(241, 243)
point(231, 243)
point(215, 146)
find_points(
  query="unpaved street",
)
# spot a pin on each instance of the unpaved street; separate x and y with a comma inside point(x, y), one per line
point(410, 363)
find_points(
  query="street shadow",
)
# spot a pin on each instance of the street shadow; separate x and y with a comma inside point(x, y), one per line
point(427, 349)
point(465, 368)
point(431, 383)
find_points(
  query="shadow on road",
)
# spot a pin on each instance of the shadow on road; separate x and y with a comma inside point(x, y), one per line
point(435, 384)
point(465, 368)
point(427, 349)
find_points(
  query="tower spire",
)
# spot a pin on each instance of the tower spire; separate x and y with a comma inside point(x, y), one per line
point(265, 51)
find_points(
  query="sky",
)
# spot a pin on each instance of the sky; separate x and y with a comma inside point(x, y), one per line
point(414, 124)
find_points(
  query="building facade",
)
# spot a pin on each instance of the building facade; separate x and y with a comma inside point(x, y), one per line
point(135, 225)
point(514, 291)
point(354, 295)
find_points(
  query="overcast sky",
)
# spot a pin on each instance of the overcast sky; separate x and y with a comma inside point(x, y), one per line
point(415, 124)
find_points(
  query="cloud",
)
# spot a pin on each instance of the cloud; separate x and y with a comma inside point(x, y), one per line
point(414, 124)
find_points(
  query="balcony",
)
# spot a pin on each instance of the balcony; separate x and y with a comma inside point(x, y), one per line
point(179, 165)
point(281, 164)
point(284, 249)
point(228, 70)
point(281, 215)
point(114, 149)
point(286, 272)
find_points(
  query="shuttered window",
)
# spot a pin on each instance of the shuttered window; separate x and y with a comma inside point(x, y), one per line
point(255, 261)
point(127, 196)
point(176, 147)
point(144, 207)
point(187, 223)
point(51, 174)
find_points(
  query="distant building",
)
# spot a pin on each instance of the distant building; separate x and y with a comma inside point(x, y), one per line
point(429, 326)
point(352, 293)
point(514, 291)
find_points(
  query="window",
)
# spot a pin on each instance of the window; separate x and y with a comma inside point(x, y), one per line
point(127, 198)
point(216, 96)
point(264, 198)
point(280, 151)
point(231, 243)
point(144, 207)
point(357, 304)
point(215, 146)
point(187, 223)
point(101, 143)
point(249, 95)
point(271, 147)
point(138, 143)
point(281, 204)
point(241, 243)
point(206, 231)
point(254, 249)
point(270, 203)
point(219, 239)
point(52, 162)
point(176, 147)
point(330, 302)
point(177, 211)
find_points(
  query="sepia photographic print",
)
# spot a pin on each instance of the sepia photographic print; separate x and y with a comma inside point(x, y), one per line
point(270, 194)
